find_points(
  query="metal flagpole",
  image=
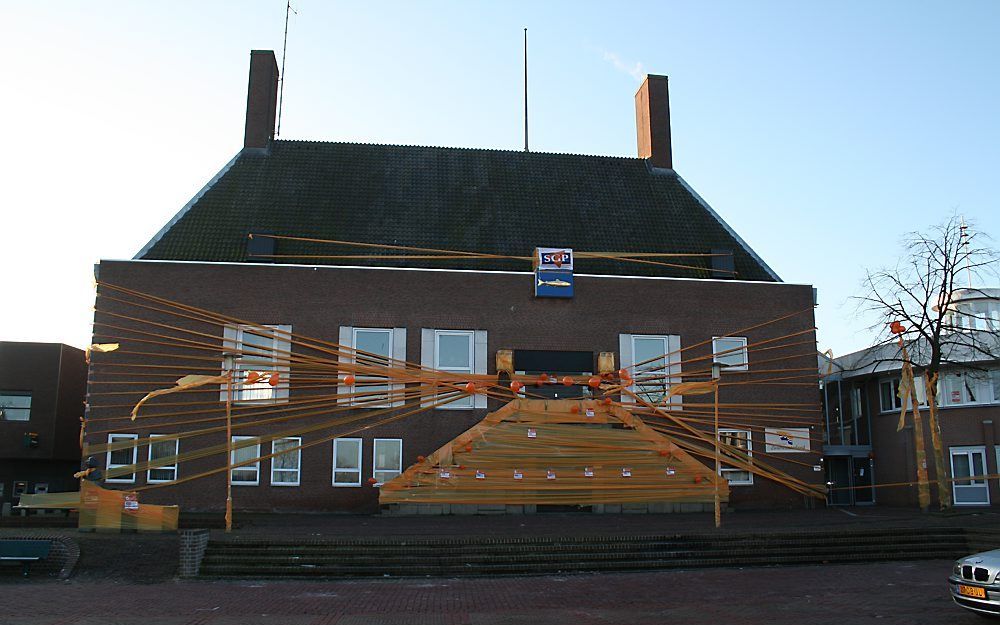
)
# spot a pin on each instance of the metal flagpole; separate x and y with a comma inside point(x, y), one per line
point(229, 443)
point(716, 374)
point(525, 89)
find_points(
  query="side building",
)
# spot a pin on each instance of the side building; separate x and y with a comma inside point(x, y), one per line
point(42, 388)
point(341, 242)
point(868, 460)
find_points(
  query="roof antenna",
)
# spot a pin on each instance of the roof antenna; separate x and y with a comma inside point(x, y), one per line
point(526, 89)
point(964, 240)
point(284, 50)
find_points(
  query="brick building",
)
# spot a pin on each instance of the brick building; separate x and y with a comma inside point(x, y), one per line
point(455, 313)
point(863, 449)
point(42, 389)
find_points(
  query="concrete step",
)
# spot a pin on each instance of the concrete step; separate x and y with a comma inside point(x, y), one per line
point(570, 550)
point(536, 540)
point(421, 570)
point(539, 544)
point(568, 558)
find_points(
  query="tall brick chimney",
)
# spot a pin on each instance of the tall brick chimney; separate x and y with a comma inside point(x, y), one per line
point(262, 99)
point(652, 121)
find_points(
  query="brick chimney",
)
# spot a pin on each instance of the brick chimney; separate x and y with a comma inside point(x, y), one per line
point(262, 99)
point(652, 121)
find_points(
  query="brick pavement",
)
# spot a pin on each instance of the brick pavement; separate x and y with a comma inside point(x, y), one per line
point(914, 593)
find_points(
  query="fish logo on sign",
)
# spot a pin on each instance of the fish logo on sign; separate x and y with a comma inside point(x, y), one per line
point(556, 283)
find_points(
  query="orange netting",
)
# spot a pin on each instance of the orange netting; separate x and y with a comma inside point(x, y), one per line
point(556, 452)
point(102, 509)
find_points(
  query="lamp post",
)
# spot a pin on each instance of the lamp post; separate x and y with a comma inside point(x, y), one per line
point(229, 362)
point(716, 374)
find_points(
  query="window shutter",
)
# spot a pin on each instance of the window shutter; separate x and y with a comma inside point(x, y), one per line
point(398, 354)
point(480, 353)
point(674, 358)
point(283, 349)
point(427, 357)
point(625, 357)
point(230, 343)
point(346, 341)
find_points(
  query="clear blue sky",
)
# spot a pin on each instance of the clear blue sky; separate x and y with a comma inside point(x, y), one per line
point(820, 131)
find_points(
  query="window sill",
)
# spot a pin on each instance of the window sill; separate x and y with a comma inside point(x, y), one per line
point(358, 485)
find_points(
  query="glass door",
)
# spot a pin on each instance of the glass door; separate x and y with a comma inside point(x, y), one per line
point(838, 476)
point(863, 491)
point(969, 462)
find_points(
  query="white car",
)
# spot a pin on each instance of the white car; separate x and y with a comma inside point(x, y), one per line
point(975, 583)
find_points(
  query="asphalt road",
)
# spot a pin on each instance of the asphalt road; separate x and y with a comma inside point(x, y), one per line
point(913, 593)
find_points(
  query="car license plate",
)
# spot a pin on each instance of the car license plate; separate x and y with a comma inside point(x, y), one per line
point(972, 591)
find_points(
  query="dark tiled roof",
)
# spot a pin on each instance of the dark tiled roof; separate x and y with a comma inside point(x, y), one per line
point(494, 201)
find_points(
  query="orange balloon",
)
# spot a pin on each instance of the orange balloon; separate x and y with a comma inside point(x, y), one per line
point(624, 374)
point(252, 377)
point(607, 401)
point(421, 458)
point(372, 480)
point(544, 377)
point(664, 452)
point(349, 380)
point(468, 448)
point(697, 479)
point(516, 386)
point(594, 382)
point(275, 379)
point(470, 387)
point(567, 381)
point(574, 409)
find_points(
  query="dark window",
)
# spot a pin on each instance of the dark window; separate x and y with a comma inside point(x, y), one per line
point(15, 405)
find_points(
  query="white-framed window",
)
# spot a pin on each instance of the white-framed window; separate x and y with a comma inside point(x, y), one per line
point(286, 466)
point(15, 405)
point(996, 450)
point(374, 347)
point(259, 353)
point(654, 362)
point(730, 352)
point(456, 352)
point(742, 440)
point(968, 462)
point(969, 387)
point(247, 474)
point(888, 394)
point(347, 462)
point(122, 457)
point(161, 447)
point(387, 459)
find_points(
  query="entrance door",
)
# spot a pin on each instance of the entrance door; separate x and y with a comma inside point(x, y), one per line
point(967, 462)
point(862, 492)
point(838, 475)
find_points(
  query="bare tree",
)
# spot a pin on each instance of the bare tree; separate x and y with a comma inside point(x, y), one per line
point(927, 292)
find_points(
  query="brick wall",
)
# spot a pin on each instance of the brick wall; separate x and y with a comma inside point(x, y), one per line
point(317, 301)
point(193, 544)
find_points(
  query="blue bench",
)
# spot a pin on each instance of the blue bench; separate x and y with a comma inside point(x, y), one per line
point(24, 552)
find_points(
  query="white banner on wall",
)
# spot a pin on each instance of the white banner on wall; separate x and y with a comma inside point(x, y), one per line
point(786, 440)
